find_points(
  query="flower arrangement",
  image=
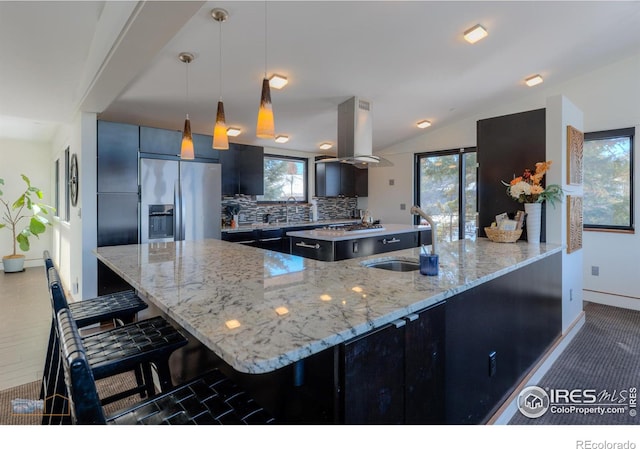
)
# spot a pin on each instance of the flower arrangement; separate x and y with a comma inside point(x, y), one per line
point(528, 189)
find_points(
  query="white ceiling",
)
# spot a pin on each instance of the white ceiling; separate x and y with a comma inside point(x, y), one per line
point(120, 59)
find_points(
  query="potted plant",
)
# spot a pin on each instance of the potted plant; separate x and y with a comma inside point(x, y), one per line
point(27, 207)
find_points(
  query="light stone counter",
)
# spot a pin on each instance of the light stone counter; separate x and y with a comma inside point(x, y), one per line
point(285, 307)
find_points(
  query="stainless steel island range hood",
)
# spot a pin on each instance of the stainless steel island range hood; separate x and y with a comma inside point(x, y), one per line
point(355, 135)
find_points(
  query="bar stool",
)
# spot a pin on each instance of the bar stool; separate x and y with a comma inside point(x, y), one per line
point(208, 399)
point(121, 308)
point(137, 345)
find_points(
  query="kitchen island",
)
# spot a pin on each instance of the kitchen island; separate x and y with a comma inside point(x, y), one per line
point(348, 242)
point(260, 311)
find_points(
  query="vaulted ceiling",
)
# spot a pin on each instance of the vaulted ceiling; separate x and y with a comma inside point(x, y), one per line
point(120, 60)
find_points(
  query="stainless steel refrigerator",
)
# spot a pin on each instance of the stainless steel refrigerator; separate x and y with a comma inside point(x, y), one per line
point(179, 200)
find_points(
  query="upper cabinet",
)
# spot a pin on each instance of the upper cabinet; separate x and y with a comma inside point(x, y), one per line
point(160, 141)
point(335, 179)
point(203, 147)
point(117, 157)
point(242, 170)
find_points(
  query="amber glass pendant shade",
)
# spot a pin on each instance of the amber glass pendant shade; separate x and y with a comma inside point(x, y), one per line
point(220, 138)
point(186, 149)
point(265, 127)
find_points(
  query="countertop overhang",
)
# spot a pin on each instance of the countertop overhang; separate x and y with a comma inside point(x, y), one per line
point(261, 310)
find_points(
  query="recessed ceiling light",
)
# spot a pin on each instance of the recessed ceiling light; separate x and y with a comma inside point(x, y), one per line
point(424, 124)
point(233, 132)
point(325, 146)
point(533, 80)
point(278, 81)
point(475, 33)
point(282, 139)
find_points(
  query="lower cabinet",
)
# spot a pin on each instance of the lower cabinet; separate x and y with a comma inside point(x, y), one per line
point(395, 374)
point(495, 333)
point(330, 251)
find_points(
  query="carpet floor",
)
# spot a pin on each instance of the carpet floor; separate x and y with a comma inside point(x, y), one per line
point(604, 358)
point(30, 391)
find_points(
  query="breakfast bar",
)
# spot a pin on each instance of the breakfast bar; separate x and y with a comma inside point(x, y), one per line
point(260, 311)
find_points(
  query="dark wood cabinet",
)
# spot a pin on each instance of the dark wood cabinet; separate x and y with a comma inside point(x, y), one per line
point(394, 242)
point(117, 163)
point(250, 169)
point(495, 333)
point(202, 148)
point(334, 179)
point(160, 141)
point(331, 251)
point(395, 374)
point(242, 170)
point(361, 181)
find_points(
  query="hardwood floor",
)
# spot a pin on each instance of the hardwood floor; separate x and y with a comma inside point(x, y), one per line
point(25, 319)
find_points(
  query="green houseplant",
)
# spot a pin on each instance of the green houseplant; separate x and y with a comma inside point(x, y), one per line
point(26, 208)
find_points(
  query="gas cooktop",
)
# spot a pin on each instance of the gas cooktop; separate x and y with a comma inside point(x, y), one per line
point(363, 227)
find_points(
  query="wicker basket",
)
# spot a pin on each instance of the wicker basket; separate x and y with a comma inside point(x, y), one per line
point(500, 236)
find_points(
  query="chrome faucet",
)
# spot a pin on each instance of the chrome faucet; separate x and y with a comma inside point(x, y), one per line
point(415, 210)
point(287, 206)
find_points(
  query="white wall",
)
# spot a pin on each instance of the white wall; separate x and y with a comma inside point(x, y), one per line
point(76, 239)
point(609, 98)
point(31, 159)
point(560, 113)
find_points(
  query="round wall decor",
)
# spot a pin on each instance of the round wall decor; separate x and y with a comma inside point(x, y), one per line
point(73, 180)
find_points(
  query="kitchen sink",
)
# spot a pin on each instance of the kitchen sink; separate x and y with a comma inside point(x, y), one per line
point(393, 264)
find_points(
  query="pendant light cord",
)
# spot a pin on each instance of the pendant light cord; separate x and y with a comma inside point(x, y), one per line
point(265, 38)
point(186, 100)
point(220, 23)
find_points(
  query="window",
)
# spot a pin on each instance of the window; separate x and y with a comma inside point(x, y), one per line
point(284, 177)
point(608, 180)
point(446, 185)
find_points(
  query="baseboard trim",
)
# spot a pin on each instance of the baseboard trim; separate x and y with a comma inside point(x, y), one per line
point(610, 299)
point(510, 406)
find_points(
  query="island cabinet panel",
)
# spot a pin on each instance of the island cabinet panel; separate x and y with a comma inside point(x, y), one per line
point(312, 249)
point(495, 333)
point(395, 375)
point(394, 242)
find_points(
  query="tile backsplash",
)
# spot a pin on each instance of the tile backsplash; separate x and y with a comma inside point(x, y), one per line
point(253, 212)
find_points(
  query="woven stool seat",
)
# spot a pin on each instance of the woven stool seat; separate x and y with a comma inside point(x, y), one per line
point(121, 306)
point(209, 399)
point(122, 347)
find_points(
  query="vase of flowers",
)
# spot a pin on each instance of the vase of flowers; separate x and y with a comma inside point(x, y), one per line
point(528, 189)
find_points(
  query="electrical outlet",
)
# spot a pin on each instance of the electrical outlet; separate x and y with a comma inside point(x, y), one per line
point(595, 271)
point(492, 364)
point(392, 182)
point(403, 206)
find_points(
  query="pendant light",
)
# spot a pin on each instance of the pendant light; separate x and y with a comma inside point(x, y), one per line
point(186, 149)
point(220, 138)
point(265, 128)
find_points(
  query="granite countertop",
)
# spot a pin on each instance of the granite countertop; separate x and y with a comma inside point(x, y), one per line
point(335, 235)
point(252, 226)
point(261, 310)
